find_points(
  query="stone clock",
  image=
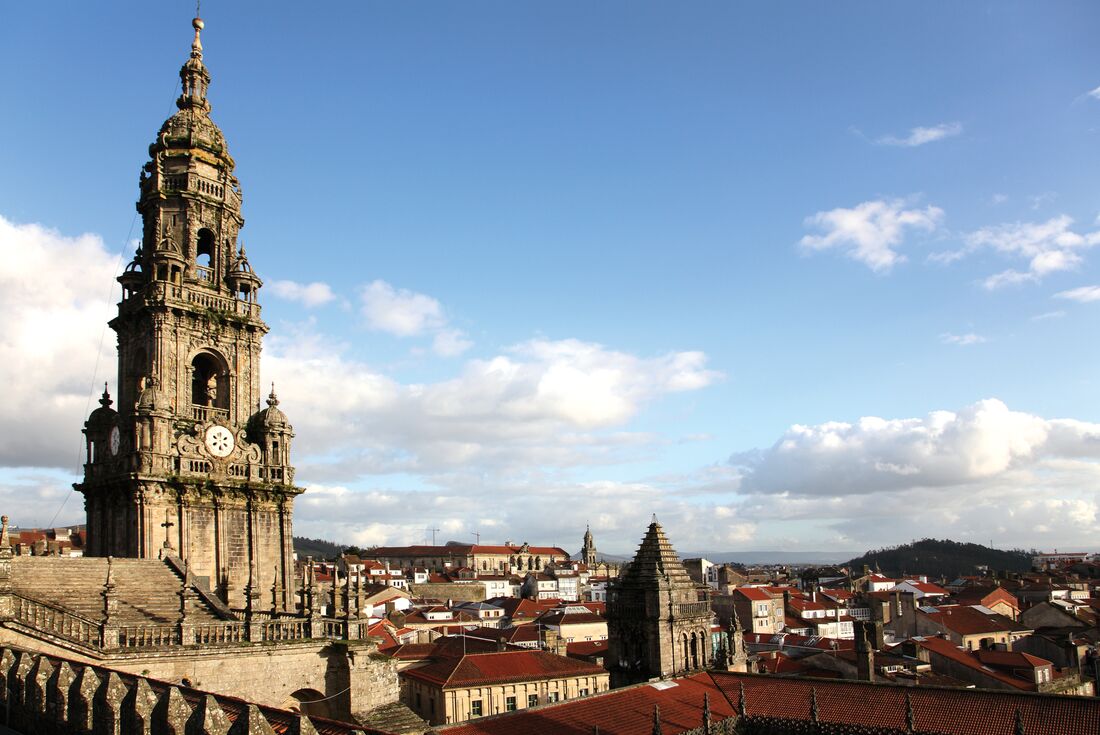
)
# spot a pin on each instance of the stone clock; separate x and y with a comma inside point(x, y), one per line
point(219, 441)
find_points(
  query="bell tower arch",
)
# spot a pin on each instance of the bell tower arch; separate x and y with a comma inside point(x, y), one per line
point(187, 464)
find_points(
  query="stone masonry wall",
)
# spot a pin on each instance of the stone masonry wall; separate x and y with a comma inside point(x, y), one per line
point(50, 695)
point(267, 674)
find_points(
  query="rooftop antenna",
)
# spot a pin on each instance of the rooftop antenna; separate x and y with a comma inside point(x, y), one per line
point(433, 530)
point(477, 536)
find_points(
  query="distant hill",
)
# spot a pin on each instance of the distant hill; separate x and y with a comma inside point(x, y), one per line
point(936, 558)
point(317, 548)
point(753, 557)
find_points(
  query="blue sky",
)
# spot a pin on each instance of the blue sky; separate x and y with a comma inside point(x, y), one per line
point(576, 263)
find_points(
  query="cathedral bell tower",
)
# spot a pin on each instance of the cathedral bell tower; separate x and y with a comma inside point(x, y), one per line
point(186, 464)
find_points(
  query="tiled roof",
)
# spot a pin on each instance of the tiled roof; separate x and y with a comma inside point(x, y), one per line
point(623, 711)
point(629, 711)
point(966, 620)
point(949, 711)
point(480, 669)
point(586, 648)
point(949, 650)
point(754, 593)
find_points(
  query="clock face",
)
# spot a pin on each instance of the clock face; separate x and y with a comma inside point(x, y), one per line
point(219, 441)
point(116, 440)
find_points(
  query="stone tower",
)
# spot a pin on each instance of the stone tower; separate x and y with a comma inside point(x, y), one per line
point(588, 550)
point(188, 465)
point(658, 622)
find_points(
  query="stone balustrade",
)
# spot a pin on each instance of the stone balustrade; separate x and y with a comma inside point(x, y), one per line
point(48, 695)
point(54, 621)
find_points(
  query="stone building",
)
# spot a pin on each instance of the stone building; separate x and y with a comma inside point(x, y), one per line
point(187, 463)
point(188, 487)
point(658, 620)
point(508, 558)
point(588, 550)
point(458, 688)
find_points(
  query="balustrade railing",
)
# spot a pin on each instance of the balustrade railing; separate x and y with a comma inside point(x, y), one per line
point(694, 608)
point(284, 630)
point(273, 627)
point(208, 413)
point(228, 632)
point(56, 621)
point(147, 636)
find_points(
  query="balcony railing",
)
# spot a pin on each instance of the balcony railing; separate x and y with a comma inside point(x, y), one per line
point(208, 413)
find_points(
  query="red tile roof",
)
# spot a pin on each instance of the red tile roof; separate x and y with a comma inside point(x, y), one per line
point(480, 669)
point(967, 621)
point(629, 711)
point(622, 711)
point(754, 593)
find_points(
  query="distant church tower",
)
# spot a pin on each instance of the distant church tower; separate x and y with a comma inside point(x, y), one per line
point(658, 622)
point(588, 550)
point(188, 465)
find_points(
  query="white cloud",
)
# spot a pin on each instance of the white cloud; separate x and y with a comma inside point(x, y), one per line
point(617, 511)
point(60, 286)
point(450, 342)
point(981, 472)
point(921, 135)
point(962, 339)
point(870, 231)
point(405, 313)
point(998, 199)
point(1048, 247)
point(540, 403)
point(1040, 200)
point(1095, 93)
point(309, 295)
point(400, 312)
point(1058, 314)
point(1083, 294)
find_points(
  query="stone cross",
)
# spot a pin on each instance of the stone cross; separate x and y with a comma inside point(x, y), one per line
point(167, 525)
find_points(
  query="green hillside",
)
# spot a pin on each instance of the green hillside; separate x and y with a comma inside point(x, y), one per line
point(317, 548)
point(936, 558)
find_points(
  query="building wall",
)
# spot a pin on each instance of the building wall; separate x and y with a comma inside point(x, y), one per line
point(442, 706)
point(268, 674)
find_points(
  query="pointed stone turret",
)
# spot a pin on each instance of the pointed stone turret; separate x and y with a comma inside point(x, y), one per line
point(658, 621)
point(588, 550)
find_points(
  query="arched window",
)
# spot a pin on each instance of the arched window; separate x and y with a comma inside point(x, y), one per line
point(204, 253)
point(209, 382)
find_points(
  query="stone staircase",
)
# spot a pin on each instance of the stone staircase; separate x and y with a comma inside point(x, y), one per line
point(146, 589)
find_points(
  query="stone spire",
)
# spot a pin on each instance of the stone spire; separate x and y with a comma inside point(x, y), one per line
point(194, 76)
point(657, 560)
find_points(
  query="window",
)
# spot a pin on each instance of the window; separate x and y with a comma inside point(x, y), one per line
point(475, 708)
point(584, 692)
point(418, 700)
point(532, 700)
point(509, 704)
point(553, 697)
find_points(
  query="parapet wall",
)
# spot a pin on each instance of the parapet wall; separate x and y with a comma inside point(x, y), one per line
point(47, 695)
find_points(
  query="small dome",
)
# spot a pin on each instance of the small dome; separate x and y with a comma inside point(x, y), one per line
point(104, 416)
point(271, 418)
point(191, 128)
point(152, 398)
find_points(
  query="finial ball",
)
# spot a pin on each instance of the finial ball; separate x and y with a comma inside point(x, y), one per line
point(198, 24)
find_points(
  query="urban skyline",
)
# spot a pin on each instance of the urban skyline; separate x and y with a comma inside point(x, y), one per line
point(528, 268)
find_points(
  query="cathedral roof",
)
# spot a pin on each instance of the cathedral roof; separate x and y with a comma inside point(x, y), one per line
point(656, 560)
